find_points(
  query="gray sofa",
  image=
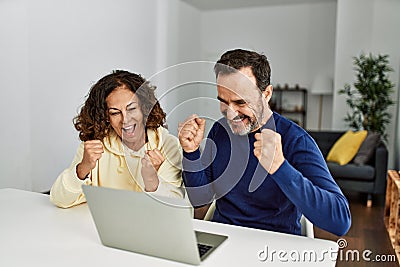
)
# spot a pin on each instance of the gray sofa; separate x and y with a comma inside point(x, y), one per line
point(369, 178)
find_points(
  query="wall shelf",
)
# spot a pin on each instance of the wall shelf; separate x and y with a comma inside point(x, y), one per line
point(290, 102)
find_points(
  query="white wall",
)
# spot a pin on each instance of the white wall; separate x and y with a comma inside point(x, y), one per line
point(368, 26)
point(55, 51)
point(179, 42)
point(299, 41)
point(386, 40)
point(15, 134)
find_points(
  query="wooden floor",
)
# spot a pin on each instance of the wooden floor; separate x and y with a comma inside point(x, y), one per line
point(367, 232)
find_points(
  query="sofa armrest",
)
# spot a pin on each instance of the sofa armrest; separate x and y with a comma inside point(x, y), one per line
point(381, 162)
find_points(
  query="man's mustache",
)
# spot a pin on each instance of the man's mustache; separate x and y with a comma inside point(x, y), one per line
point(242, 116)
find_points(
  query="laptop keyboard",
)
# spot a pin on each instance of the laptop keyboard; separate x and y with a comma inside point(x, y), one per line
point(203, 249)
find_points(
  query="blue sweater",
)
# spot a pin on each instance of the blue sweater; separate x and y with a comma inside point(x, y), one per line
point(247, 195)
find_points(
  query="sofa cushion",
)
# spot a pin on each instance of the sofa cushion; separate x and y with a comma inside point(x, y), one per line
point(367, 148)
point(346, 147)
point(352, 171)
point(325, 139)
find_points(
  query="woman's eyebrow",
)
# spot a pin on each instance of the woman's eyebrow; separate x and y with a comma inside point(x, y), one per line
point(131, 103)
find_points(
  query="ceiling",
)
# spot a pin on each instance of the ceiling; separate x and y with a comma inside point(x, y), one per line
point(229, 4)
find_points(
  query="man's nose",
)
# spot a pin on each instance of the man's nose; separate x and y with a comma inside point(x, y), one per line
point(231, 113)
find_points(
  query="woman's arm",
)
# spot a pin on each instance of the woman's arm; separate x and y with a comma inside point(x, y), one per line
point(66, 190)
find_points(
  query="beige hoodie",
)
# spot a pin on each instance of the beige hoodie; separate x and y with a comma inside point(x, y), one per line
point(120, 168)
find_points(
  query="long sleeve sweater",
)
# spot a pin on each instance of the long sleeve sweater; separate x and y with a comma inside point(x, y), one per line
point(247, 195)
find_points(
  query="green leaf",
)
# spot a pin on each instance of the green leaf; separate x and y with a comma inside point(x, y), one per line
point(371, 94)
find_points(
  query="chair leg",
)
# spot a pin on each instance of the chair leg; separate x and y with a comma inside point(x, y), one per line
point(369, 201)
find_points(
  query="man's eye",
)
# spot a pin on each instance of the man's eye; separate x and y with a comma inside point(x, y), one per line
point(241, 102)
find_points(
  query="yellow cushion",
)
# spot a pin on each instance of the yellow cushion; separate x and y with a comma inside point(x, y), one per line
point(346, 147)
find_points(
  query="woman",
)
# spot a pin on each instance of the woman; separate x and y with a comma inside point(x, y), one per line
point(124, 144)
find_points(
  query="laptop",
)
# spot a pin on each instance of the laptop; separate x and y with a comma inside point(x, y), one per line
point(148, 224)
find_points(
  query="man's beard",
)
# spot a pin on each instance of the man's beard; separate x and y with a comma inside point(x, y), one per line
point(245, 128)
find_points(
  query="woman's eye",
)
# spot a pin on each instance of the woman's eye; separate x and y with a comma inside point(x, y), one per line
point(114, 113)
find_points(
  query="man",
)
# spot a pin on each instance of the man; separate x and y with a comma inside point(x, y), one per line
point(263, 170)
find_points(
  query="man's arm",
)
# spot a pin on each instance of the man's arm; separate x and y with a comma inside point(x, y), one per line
point(200, 213)
point(195, 176)
point(305, 179)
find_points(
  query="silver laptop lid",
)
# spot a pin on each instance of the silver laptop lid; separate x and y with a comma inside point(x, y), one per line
point(143, 223)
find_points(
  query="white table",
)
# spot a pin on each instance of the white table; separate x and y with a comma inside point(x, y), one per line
point(33, 232)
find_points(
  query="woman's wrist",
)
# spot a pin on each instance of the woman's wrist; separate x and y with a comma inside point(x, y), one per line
point(81, 172)
point(152, 185)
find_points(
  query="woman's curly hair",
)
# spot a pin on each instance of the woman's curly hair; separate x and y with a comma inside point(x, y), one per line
point(93, 120)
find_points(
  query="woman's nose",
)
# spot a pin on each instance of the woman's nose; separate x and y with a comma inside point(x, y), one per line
point(125, 117)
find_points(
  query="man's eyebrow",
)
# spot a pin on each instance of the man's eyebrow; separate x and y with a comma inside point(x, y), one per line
point(222, 100)
point(237, 102)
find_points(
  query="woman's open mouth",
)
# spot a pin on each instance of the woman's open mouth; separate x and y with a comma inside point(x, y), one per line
point(129, 130)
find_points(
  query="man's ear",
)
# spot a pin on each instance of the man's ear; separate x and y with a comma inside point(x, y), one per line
point(268, 93)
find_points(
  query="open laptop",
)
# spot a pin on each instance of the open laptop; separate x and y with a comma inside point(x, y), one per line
point(148, 224)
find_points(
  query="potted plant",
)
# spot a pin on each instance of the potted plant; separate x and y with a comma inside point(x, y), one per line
point(370, 96)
